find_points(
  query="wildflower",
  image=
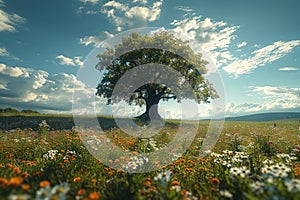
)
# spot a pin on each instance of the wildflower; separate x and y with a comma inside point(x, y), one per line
point(57, 192)
point(215, 181)
point(257, 187)
point(94, 180)
point(18, 197)
point(24, 174)
point(226, 194)
point(77, 179)
point(43, 124)
point(94, 196)
point(292, 185)
point(135, 163)
point(81, 192)
point(175, 183)
point(44, 184)
point(16, 170)
point(3, 182)
point(110, 173)
point(147, 183)
point(239, 172)
point(15, 181)
point(279, 170)
point(177, 188)
point(286, 157)
point(50, 154)
point(213, 190)
point(25, 187)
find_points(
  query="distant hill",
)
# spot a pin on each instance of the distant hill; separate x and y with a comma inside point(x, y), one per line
point(263, 117)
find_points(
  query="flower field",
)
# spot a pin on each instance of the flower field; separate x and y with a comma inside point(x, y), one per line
point(251, 160)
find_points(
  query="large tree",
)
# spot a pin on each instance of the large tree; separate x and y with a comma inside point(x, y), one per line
point(161, 49)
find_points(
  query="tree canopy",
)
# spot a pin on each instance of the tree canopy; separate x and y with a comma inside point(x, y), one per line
point(161, 49)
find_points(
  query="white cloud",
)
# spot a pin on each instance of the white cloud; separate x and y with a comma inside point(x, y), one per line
point(242, 44)
point(185, 8)
point(130, 16)
point(76, 61)
point(289, 69)
point(87, 40)
point(141, 1)
point(260, 57)
point(28, 88)
point(13, 72)
point(9, 21)
point(90, 1)
point(211, 38)
point(214, 39)
point(3, 51)
point(274, 99)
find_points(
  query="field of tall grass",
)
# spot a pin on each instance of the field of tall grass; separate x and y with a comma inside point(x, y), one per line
point(251, 160)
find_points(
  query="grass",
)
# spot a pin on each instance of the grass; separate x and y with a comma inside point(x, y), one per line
point(251, 160)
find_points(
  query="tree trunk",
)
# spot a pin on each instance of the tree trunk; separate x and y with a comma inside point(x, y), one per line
point(151, 112)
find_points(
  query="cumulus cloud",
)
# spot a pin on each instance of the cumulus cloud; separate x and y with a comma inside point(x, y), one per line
point(242, 44)
point(274, 99)
point(95, 40)
point(289, 69)
point(8, 22)
point(76, 61)
point(28, 88)
point(206, 36)
point(214, 39)
point(3, 51)
point(89, 1)
point(260, 57)
point(185, 8)
point(137, 14)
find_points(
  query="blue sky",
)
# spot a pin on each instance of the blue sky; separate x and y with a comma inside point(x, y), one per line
point(255, 46)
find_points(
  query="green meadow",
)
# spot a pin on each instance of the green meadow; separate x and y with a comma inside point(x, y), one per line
point(251, 160)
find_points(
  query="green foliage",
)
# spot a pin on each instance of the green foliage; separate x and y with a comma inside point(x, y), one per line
point(161, 48)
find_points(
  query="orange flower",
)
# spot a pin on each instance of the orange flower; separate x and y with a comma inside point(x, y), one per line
point(16, 181)
point(25, 187)
point(147, 183)
point(24, 175)
point(3, 182)
point(9, 165)
point(183, 192)
point(148, 179)
point(94, 180)
point(77, 179)
point(81, 192)
point(175, 183)
point(215, 181)
point(94, 196)
point(45, 184)
point(213, 190)
point(16, 170)
point(66, 161)
point(110, 173)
